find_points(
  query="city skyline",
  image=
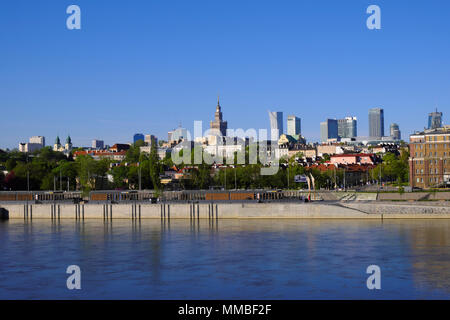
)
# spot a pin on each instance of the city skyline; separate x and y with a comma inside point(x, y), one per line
point(278, 118)
point(313, 61)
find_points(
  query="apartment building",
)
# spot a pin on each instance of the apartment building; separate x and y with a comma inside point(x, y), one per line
point(429, 162)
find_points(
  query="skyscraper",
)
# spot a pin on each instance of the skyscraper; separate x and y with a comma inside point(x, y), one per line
point(178, 134)
point(218, 125)
point(293, 126)
point(97, 144)
point(150, 140)
point(38, 140)
point(395, 132)
point(435, 120)
point(329, 130)
point(376, 122)
point(137, 137)
point(276, 122)
point(347, 127)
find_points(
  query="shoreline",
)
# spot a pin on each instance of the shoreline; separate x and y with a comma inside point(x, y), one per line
point(230, 210)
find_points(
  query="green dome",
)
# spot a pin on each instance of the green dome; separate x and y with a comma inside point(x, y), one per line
point(57, 140)
point(68, 140)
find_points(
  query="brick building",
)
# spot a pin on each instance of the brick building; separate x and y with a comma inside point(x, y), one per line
point(429, 162)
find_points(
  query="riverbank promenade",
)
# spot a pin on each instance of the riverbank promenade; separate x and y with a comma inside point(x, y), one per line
point(235, 210)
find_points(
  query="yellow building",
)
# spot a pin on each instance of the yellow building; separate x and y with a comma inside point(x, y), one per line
point(429, 162)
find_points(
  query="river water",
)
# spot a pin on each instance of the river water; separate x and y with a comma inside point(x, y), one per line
point(225, 259)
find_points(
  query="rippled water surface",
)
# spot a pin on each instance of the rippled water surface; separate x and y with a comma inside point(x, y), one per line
point(236, 259)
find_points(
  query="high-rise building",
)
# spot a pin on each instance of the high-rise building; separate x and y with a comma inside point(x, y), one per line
point(97, 144)
point(294, 126)
point(177, 134)
point(435, 120)
point(347, 127)
point(150, 140)
point(376, 122)
point(137, 137)
point(218, 125)
point(329, 130)
point(276, 123)
point(395, 132)
point(38, 140)
point(36, 143)
point(29, 147)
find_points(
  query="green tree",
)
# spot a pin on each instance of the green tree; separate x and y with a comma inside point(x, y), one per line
point(155, 167)
point(120, 177)
point(86, 172)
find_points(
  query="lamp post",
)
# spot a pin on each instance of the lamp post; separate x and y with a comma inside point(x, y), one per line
point(235, 181)
point(140, 180)
point(28, 172)
point(288, 174)
point(345, 189)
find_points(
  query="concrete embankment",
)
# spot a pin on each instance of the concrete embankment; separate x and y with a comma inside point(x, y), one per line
point(391, 210)
point(249, 210)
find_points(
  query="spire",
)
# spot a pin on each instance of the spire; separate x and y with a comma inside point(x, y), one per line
point(57, 141)
point(218, 104)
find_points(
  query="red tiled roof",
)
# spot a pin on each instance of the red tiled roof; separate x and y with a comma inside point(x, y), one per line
point(99, 153)
point(353, 155)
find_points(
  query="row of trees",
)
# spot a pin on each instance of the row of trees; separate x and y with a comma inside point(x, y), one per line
point(49, 170)
point(394, 168)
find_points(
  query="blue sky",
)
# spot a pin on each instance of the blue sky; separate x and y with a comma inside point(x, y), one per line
point(146, 66)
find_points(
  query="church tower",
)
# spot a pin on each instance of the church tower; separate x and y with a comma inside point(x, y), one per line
point(68, 145)
point(57, 145)
point(218, 125)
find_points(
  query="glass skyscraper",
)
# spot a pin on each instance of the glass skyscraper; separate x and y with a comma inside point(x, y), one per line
point(434, 120)
point(347, 127)
point(276, 123)
point(329, 130)
point(137, 137)
point(395, 132)
point(376, 122)
point(293, 126)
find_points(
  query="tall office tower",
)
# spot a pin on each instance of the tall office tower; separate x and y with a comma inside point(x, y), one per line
point(329, 130)
point(38, 140)
point(137, 137)
point(179, 134)
point(97, 144)
point(218, 125)
point(294, 126)
point(435, 120)
point(347, 127)
point(376, 122)
point(276, 123)
point(395, 132)
point(150, 140)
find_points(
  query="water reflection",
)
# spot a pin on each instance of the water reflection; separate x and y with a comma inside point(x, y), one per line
point(229, 259)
